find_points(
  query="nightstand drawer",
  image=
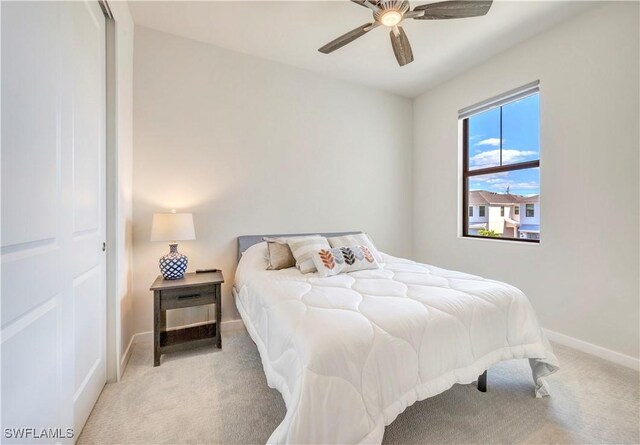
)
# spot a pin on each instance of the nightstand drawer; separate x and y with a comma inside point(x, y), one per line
point(180, 298)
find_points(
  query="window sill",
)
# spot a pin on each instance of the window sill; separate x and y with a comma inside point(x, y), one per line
point(501, 240)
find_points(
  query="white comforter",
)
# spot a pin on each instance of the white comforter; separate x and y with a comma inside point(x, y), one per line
point(349, 353)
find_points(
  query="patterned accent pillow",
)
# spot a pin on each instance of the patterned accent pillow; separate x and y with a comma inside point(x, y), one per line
point(358, 239)
point(331, 262)
point(303, 250)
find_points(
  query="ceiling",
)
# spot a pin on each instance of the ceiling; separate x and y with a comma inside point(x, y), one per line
point(290, 32)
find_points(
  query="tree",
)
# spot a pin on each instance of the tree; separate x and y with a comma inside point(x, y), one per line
point(489, 233)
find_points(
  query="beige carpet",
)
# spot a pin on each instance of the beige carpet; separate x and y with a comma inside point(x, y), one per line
point(206, 396)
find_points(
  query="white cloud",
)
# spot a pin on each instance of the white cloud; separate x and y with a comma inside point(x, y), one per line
point(494, 142)
point(516, 188)
point(492, 157)
point(498, 182)
point(512, 156)
point(491, 178)
point(531, 185)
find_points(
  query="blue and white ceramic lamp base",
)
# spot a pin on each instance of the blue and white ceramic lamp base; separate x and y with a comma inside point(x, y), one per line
point(174, 264)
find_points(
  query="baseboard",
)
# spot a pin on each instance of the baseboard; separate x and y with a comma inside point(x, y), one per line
point(124, 360)
point(580, 345)
point(232, 325)
point(141, 337)
point(591, 349)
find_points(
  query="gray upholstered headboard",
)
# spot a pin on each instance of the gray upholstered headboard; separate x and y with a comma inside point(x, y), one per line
point(246, 241)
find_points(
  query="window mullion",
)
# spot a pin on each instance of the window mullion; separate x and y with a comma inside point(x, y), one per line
point(500, 136)
point(505, 168)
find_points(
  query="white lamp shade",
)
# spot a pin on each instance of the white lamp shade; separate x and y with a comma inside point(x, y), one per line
point(172, 227)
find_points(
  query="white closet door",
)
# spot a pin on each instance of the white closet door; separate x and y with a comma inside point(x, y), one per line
point(53, 324)
point(88, 202)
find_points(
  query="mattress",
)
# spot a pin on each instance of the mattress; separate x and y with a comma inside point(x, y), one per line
point(350, 352)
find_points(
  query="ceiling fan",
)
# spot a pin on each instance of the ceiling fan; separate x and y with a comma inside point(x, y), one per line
point(390, 13)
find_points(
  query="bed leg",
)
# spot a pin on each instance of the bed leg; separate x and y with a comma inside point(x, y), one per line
point(482, 382)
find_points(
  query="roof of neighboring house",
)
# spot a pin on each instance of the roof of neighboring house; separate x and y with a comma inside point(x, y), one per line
point(530, 199)
point(484, 197)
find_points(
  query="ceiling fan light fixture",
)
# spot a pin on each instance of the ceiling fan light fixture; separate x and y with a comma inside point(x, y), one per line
point(390, 13)
point(391, 18)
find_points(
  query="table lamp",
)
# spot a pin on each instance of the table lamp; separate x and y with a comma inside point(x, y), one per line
point(173, 227)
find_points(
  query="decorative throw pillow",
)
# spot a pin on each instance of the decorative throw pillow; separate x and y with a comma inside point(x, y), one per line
point(331, 262)
point(359, 239)
point(303, 250)
point(280, 256)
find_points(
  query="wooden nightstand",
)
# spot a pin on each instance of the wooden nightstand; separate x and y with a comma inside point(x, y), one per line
point(194, 289)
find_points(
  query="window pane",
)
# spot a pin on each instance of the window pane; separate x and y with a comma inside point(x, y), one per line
point(470, 210)
point(530, 211)
point(484, 139)
point(512, 203)
point(521, 131)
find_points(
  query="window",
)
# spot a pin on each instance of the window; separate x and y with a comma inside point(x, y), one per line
point(470, 211)
point(530, 211)
point(501, 164)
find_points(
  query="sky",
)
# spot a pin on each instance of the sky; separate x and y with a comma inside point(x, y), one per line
point(520, 142)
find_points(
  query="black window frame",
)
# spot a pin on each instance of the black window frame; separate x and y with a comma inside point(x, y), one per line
point(467, 174)
point(482, 211)
point(533, 211)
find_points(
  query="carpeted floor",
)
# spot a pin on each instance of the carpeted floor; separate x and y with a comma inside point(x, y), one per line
point(206, 396)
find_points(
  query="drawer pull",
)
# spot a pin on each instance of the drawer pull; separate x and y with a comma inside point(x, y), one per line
point(184, 297)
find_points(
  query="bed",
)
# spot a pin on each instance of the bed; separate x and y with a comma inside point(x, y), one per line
point(350, 352)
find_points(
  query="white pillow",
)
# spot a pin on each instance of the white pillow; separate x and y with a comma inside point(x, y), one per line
point(331, 262)
point(359, 239)
point(304, 248)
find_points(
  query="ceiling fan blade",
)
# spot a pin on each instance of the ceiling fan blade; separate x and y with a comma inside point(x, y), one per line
point(347, 38)
point(412, 14)
point(453, 9)
point(367, 4)
point(401, 46)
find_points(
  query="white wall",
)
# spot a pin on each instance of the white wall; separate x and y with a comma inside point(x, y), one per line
point(124, 174)
point(251, 146)
point(583, 277)
point(496, 220)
